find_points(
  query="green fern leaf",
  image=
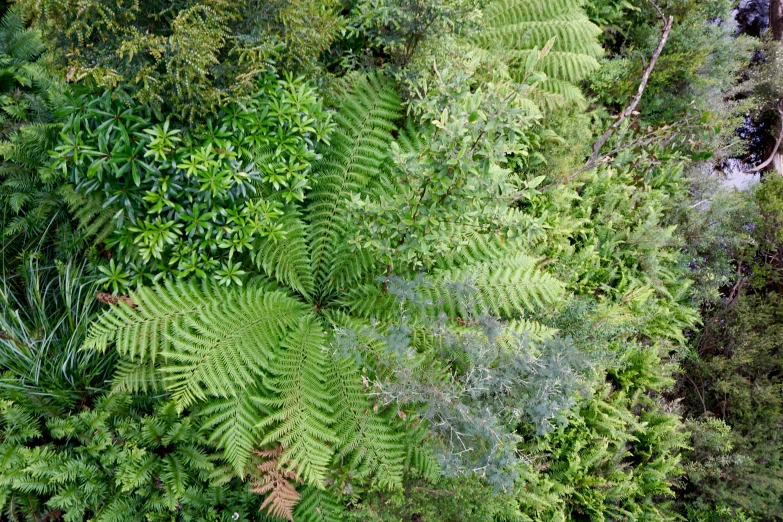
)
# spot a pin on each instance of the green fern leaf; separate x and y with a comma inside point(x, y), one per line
point(287, 260)
point(520, 28)
point(318, 506)
point(367, 441)
point(354, 159)
point(302, 410)
point(231, 424)
point(223, 348)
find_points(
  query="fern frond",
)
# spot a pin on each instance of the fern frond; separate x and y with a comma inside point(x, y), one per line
point(318, 505)
point(231, 423)
point(277, 485)
point(369, 301)
point(367, 442)
point(212, 340)
point(136, 375)
point(533, 330)
point(506, 287)
point(565, 66)
point(287, 260)
point(505, 12)
point(358, 148)
point(141, 331)
point(519, 28)
point(224, 347)
point(302, 409)
point(96, 223)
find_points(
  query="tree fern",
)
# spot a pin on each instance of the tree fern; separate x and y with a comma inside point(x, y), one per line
point(231, 425)
point(302, 411)
point(352, 161)
point(221, 349)
point(318, 506)
point(368, 443)
point(520, 27)
point(273, 364)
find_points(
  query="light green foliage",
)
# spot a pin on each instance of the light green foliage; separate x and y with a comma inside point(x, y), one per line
point(192, 203)
point(348, 167)
point(463, 499)
point(625, 250)
point(518, 28)
point(269, 367)
point(450, 180)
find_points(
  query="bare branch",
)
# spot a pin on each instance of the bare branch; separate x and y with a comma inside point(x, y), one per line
point(660, 13)
point(774, 151)
point(637, 98)
point(630, 110)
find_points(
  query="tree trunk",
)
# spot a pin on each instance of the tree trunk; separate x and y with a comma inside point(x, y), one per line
point(776, 19)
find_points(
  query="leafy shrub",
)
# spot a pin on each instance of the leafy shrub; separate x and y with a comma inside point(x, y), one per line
point(193, 202)
point(736, 379)
point(190, 56)
point(116, 460)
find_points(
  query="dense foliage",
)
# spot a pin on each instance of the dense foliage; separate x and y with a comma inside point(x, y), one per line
point(340, 261)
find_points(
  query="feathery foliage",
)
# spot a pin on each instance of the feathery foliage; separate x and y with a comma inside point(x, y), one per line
point(264, 371)
point(519, 28)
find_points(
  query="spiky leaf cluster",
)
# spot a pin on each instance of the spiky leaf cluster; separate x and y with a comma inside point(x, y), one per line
point(191, 203)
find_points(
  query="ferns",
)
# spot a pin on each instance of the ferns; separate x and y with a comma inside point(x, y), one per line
point(213, 341)
point(232, 427)
point(223, 348)
point(277, 485)
point(375, 447)
point(302, 410)
point(506, 287)
point(351, 162)
point(318, 506)
point(264, 366)
point(288, 259)
point(519, 27)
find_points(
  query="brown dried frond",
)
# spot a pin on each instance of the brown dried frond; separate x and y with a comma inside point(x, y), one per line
point(114, 300)
point(277, 484)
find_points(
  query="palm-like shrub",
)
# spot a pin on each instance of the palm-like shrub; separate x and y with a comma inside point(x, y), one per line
point(187, 203)
point(288, 360)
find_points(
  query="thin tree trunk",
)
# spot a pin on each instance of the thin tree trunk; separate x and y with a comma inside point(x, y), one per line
point(776, 18)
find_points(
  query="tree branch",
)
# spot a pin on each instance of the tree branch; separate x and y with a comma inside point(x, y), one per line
point(774, 151)
point(594, 161)
point(667, 26)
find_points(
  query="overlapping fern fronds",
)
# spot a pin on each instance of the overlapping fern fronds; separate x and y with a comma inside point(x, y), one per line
point(519, 28)
point(263, 365)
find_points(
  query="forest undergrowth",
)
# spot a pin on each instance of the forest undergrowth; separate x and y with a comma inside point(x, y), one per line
point(389, 260)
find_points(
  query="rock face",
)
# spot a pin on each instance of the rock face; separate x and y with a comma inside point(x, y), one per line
point(752, 16)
